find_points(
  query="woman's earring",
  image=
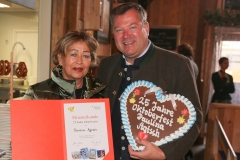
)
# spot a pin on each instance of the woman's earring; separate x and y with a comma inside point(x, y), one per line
point(90, 71)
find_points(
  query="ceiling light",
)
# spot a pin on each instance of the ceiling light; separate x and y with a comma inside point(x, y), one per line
point(4, 5)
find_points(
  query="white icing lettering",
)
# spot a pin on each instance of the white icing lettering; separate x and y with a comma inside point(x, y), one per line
point(137, 108)
point(152, 123)
point(154, 107)
point(162, 109)
point(143, 101)
point(159, 117)
point(152, 119)
point(143, 112)
point(171, 121)
point(134, 107)
point(148, 130)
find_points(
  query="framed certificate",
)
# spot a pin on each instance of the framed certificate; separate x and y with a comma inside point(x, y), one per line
point(61, 129)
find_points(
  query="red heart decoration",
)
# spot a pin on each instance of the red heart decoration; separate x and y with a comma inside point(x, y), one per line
point(142, 135)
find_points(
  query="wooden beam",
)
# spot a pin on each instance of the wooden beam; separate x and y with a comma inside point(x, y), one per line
point(92, 14)
point(58, 22)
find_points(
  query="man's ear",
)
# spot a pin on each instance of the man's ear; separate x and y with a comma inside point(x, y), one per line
point(60, 59)
point(147, 27)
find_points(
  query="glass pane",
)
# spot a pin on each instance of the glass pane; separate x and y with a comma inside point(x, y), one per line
point(18, 30)
point(231, 49)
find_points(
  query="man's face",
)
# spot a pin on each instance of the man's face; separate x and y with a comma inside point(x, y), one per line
point(131, 36)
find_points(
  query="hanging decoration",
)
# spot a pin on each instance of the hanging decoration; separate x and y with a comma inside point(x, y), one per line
point(227, 17)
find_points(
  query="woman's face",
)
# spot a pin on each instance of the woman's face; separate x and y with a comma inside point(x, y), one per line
point(76, 63)
point(224, 65)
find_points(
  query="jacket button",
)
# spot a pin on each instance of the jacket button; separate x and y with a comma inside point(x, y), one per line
point(120, 74)
point(114, 92)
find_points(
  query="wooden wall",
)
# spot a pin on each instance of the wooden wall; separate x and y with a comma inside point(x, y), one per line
point(176, 12)
point(228, 115)
point(68, 15)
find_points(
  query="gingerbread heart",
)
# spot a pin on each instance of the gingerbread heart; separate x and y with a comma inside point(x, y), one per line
point(149, 113)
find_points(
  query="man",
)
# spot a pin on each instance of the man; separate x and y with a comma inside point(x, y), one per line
point(139, 59)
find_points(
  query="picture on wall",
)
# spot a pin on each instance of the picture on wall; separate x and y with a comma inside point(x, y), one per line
point(167, 37)
point(232, 4)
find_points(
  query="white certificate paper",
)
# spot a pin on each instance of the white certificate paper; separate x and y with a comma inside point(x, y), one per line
point(86, 130)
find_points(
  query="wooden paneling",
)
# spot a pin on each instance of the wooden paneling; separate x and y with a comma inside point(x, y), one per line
point(71, 15)
point(170, 18)
point(153, 18)
point(103, 49)
point(92, 14)
point(205, 72)
point(221, 142)
point(74, 15)
point(228, 115)
point(58, 22)
point(204, 58)
point(172, 12)
point(235, 141)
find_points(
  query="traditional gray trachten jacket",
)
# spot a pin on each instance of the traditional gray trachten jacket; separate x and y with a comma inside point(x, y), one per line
point(168, 70)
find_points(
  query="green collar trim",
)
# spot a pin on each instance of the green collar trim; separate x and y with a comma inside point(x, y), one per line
point(67, 85)
point(152, 51)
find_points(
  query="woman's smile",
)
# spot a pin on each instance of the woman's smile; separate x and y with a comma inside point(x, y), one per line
point(78, 69)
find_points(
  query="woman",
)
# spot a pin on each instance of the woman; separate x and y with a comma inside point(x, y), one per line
point(73, 55)
point(222, 83)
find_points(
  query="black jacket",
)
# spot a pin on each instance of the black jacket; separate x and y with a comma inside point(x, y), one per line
point(59, 88)
point(222, 87)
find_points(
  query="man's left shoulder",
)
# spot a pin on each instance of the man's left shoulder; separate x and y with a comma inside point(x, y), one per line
point(167, 54)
